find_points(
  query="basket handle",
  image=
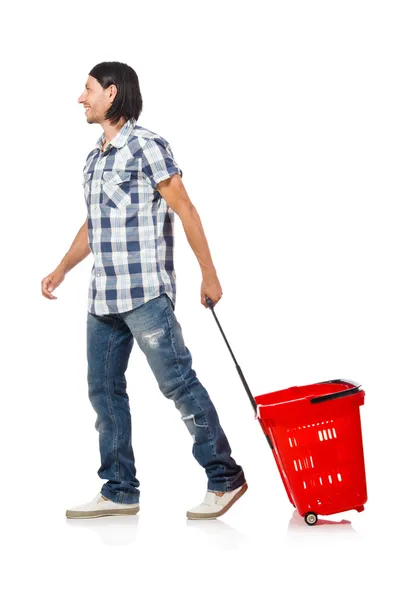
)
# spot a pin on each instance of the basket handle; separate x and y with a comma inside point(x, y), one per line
point(356, 387)
point(245, 384)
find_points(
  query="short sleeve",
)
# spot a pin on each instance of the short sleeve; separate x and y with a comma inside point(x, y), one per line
point(158, 161)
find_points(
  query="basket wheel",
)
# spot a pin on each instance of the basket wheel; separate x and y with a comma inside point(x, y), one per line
point(311, 518)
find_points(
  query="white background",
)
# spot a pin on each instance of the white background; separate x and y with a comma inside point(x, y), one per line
point(282, 116)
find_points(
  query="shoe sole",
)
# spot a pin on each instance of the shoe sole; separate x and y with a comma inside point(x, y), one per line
point(79, 514)
point(192, 515)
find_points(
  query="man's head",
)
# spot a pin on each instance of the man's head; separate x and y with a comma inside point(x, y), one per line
point(111, 93)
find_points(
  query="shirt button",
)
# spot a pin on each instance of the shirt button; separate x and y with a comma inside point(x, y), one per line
point(98, 274)
point(94, 230)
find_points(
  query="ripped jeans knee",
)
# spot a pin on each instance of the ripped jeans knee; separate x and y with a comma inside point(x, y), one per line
point(194, 423)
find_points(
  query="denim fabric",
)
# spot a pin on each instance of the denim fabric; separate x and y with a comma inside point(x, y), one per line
point(110, 340)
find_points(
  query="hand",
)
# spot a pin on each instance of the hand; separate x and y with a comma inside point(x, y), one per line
point(211, 288)
point(49, 283)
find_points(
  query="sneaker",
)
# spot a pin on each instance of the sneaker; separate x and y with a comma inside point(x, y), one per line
point(101, 507)
point(216, 504)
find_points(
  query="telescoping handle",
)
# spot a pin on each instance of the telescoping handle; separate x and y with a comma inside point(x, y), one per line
point(245, 384)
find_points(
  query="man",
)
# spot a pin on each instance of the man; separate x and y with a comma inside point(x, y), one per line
point(133, 187)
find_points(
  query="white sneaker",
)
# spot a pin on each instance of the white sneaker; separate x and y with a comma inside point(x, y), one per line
point(101, 507)
point(214, 506)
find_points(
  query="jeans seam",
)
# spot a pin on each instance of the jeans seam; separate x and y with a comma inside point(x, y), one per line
point(110, 406)
point(175, 356)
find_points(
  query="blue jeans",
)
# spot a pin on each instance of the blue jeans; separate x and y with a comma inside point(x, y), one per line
point(110, 339)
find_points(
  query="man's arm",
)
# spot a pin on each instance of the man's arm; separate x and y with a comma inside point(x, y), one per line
point(174, 193)
point(76, 253)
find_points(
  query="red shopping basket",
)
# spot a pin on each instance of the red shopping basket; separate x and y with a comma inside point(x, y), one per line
point(314, 432)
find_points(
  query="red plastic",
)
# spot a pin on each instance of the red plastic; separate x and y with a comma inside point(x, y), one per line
point(317, 447)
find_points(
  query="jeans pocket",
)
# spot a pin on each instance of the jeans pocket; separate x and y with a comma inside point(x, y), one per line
point(168, 301)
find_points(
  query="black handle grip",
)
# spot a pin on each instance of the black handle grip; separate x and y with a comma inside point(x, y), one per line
point(209, 302)
point(356, 387)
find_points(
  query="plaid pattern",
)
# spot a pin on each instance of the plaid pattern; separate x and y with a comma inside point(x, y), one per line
point(130, 226)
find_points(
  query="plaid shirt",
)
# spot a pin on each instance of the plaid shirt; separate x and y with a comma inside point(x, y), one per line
point(130, 226)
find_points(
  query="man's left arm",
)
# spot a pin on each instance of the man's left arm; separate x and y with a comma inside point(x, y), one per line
point(174, 193)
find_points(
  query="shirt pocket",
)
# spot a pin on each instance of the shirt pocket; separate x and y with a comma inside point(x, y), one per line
point(116, 188)
point(87, 182)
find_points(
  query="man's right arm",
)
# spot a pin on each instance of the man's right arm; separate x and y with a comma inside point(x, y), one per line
point(76, 253)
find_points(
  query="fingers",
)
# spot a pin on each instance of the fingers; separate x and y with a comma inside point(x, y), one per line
point(47, 285)
point(214, 302)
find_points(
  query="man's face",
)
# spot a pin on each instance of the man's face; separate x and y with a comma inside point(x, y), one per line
point(96, 100)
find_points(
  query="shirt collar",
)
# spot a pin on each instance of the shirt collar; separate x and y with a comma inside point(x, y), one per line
point(120, 139)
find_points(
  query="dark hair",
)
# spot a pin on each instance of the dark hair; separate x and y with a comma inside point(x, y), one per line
point(128, 100)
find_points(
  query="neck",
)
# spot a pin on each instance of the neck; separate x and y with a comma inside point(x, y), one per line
point(111, 131)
